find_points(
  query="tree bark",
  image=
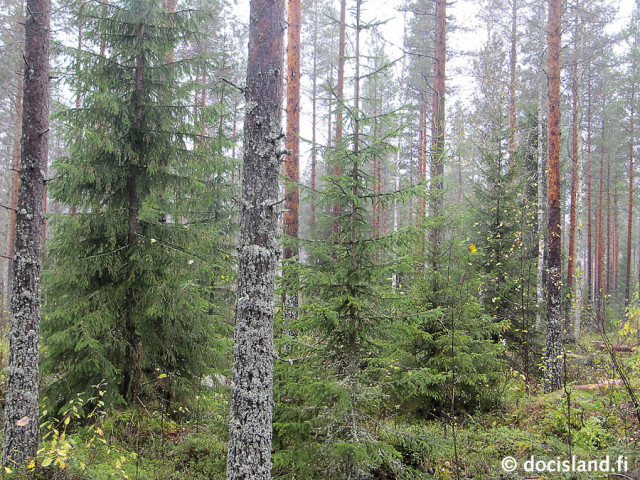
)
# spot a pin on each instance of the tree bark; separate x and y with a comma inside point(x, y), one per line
point(600, 280)
point(292, 158)
point(340, 100)
point(512, 83)
point(553, 373)
point(314, 118)
point(21, 425)
point(437, 130)
point(589, 197)
point(627, 273)
point(250, 425)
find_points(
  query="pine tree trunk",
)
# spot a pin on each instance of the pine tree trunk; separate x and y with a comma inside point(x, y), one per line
point(575, 166)
point(437, 131)
point(590, 282)
point(627, 273)
point(580, 278)
point(512, 83)
point(250, 425)
point(340, 94)
point(21, 424)
point(292, 159)
point(600, 280)
point(542, 202)
point(553, 372)
point(314, 117)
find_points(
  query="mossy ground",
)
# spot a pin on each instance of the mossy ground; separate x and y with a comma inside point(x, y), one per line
point(190, 442)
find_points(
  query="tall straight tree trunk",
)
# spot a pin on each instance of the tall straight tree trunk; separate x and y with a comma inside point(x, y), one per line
point(590, 282)
point(553, 372)
point(627, 273)
point(607, 245)
point(314, 118)
point(437, 130)
point(600, 280)
point(512, 82)
point(250, 424)
point(575, 165)
point(616, 242)
point(340, 94)
point(580, 277)
point(292, 158)
point(542, 210)
point(21, 420)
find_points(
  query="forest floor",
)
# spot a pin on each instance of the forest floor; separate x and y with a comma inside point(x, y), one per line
point(531, 428)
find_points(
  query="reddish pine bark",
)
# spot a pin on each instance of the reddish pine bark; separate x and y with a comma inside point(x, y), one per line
point(437, 129)
point(553, 372)
point(292, 162)
point(627, 273)
point(340, 99)
point(600, 287)
point(590, 281)
point(574, 180)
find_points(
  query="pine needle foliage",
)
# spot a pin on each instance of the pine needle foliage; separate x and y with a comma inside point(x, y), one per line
point(133, 292)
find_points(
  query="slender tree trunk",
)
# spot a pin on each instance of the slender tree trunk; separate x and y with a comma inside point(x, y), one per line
point(616, 242)
point(340, 99)
point(600, 280)
point(608, 244)
point(590, 282)
point(250, 425)
point(575, 166)
point(292, 159)
point(553, 372)
point(314, 117)
point(542, 202)
point(627, 273)
point(512, 83)
point(437, 131)
point(580, 277)
point(21, 423)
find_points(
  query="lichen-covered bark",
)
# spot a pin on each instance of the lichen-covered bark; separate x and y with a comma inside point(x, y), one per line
point(553, 372)
point(21, 426)
point(249, 455)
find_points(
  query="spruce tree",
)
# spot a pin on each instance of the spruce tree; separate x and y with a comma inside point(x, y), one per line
point(130, 291)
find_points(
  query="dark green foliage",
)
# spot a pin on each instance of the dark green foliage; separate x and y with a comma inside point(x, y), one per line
point(446, 344)
point(138, 266)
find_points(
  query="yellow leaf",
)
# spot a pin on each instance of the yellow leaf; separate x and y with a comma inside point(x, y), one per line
point(8, 470)
point(47, 461)
point(472, 248)
point(62, 465)
point(31, 464)
point(409, 373)
point(83, 466)
point(67, 420)
point(99, 431)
